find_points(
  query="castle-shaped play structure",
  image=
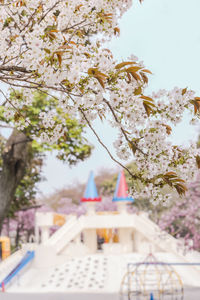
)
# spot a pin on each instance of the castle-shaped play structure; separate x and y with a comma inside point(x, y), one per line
point(135, 259)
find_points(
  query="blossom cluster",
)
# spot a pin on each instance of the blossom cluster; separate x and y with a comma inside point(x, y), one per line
point(57, 46)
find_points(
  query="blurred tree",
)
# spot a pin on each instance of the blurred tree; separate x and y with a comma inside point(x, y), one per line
point(21, 157)
point(182, 220)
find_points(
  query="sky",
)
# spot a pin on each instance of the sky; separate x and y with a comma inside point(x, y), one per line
point(165, 34)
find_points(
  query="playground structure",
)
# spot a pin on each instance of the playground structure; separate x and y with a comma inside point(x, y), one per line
point(151, 275)
point(4, 247)
point(70, 260)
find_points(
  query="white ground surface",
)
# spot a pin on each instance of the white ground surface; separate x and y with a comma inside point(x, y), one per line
point(190, 293)
point(89, 274)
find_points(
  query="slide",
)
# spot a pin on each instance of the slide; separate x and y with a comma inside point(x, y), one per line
point(182, 264)
point(153, 233)
point(23, 262)
point(9, 263)
point(168, 243)
point(65, 234)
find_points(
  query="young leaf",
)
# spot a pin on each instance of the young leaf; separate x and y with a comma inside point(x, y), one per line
point(133, 69)
point(100, 80)
point(132, 147)
point(144, 77)
point(146, 71)
point(135, 76)
point(116, 31)
point(184, 91)
point(196, 103)
point(181, 189)
point(98, 75)
point(123, 64)
point(173, 180)
point(147, 98)
point(138, 91)
point(168, 129)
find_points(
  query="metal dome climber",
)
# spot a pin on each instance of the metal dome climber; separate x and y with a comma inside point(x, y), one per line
point(151, 277)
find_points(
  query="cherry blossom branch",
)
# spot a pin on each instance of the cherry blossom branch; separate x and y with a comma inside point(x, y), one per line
point(35, 85)
point(122, 130)
point(14, 69)
point(104, 146)
point(15, 108)
point(13, 58)
point(29, 20)
point(48, 11)
point(73, 26)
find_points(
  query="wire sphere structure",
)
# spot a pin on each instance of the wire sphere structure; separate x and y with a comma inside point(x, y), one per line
point(151, 277)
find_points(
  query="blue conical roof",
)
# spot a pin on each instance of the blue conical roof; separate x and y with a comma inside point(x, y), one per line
point(91, 193)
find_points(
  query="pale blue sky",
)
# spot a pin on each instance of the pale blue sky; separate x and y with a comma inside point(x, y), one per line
point(165, 34)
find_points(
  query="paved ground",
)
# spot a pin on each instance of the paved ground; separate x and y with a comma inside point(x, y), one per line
point(58, 296)
point(192, 294)
point(189, 294)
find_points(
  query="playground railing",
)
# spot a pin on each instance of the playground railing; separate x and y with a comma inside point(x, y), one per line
point(59, 233)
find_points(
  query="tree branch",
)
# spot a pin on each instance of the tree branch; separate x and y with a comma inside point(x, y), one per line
point(14, 69)
point(48, 11)
point(70, 27)
point(104, 146)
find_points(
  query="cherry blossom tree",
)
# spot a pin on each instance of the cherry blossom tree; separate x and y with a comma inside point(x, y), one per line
point(66, 206)
point(20, 227)
point(57, 47)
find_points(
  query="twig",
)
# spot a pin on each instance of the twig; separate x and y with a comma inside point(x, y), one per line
point(48, 11)
point(67, 28)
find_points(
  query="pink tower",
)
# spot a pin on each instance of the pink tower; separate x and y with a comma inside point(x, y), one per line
point(121, 193)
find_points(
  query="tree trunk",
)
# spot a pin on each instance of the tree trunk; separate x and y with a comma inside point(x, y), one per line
point(15, 158)
point(17, 237)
